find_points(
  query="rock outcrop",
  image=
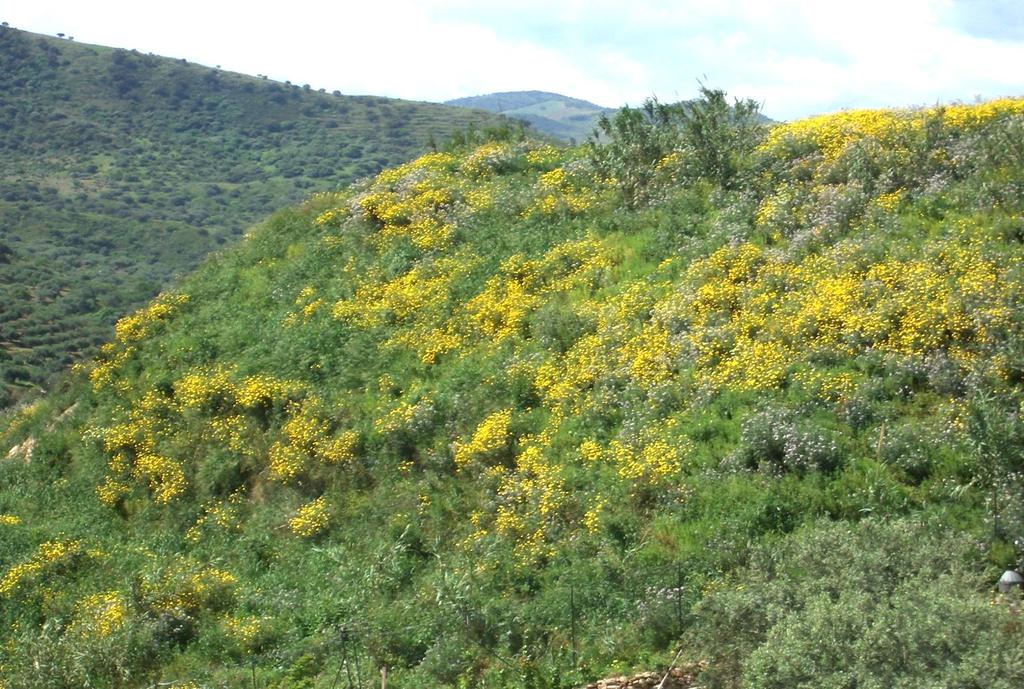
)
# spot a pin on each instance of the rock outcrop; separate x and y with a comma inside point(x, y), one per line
point(677, 678)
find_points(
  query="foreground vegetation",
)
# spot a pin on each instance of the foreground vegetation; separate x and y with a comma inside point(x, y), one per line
point(525, 416)
point(119, 171)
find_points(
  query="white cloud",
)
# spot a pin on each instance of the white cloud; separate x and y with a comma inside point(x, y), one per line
point(798, 56)
point(394, 49)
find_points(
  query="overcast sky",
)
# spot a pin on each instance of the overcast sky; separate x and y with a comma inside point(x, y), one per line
point(798, 57)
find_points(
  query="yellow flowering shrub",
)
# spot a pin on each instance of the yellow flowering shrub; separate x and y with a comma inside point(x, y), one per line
point(244, 629)
point(429, 343)
point(413, 200)
point(592, 518)
point(184, 588)
point(538, 475)
point(231, 430)
point(575, 263)
point(500, 311)
point(652, 355)
point(822, 192)
point(128, 331)
point(530, 498)
point(544, 156)
point(558, 191)
point(23, 415)
point(827, 386)
point(591, 451)
point(561, 381)
point(834, 133)
point(489, 158)
point(782, 208)
point(310, 519)
point(111, 491)
point(307, 305)
point(136, 326)
point(965, 115)
point(139, 446)
point(407, 299)
point(651, 459)
point(479, 198)
point(754, 316)
point(405, 416)
point(201, 386)
point(329, 217)
point(220, 514)
point(48, 555)
point(890, 201)
point(338, 449)
point(100, 614)
point(490, 437)
point(286, 461)
point(166, 477)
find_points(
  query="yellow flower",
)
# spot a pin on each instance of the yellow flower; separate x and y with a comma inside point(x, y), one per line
point(592, 519)
point(244, 629)
point(101, 613)
point(833, 134)
point(136, 326)
point(310, 519)
point(46, 555)
point(490, 436)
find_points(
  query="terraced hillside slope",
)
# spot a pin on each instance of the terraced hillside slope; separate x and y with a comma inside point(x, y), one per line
point(522, 416)
point(120, 171)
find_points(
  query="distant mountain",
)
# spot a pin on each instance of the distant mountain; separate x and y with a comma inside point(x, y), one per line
point(560, 116)
point(120, 170)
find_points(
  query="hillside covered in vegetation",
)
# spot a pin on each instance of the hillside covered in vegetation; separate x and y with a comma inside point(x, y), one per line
point(120, 171)
point(526, 416)
point(568, 119)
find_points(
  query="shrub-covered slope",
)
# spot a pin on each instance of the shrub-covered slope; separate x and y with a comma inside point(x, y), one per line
point(119, 171)
point(523, 416)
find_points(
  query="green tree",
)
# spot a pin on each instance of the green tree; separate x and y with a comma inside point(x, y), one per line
point(713, 139)
point(718, 138)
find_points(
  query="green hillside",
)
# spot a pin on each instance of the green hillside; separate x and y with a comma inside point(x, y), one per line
point(120, 171)
point(523, 416)
point(559, 116)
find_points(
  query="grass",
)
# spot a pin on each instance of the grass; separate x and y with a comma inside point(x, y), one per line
point(554, 438)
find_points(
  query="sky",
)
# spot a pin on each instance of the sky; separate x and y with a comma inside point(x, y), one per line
point(796, 57)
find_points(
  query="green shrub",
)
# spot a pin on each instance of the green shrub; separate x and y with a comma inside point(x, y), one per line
point(702, 139)
point(53, 657)
point(776, 441)
point(629, 146)
point(923, 633)
point(874, 604)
